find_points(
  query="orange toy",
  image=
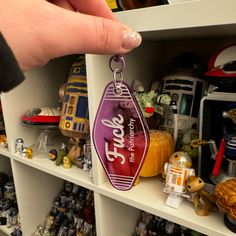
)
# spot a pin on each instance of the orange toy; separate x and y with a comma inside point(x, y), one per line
point(159, 151)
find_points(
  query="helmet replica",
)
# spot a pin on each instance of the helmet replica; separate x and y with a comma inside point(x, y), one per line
point(222, 69)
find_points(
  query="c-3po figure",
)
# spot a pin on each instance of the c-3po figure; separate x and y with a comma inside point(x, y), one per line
point(177, 171)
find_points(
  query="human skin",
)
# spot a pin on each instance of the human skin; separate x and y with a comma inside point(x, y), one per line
point(39, 30)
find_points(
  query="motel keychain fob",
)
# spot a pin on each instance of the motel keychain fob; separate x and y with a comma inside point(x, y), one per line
point(120, 132)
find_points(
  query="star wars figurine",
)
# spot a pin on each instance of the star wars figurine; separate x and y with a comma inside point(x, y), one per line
point(177, 171)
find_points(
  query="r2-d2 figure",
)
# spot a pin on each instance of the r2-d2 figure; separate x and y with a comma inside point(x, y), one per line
point(177, 171)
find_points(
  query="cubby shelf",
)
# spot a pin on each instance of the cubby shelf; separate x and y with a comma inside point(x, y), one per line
point(148, 195)
point(74, 174)
point(167, 30)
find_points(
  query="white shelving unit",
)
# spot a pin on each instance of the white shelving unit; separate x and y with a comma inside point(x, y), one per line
point(201, 26)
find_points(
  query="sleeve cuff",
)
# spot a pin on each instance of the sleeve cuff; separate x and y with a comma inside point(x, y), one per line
point(10, 72)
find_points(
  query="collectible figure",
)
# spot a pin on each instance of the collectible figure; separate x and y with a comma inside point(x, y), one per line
point(159, 151)
point(61, 153)
point(66, 162)
point(75, 150)
point(177, 171)
point(3, 141)
point(27, 152)
point(42, 116)
point(19, 146)
point(74, 120)
point(226, 200)
point(203, 200)
point(52, 154)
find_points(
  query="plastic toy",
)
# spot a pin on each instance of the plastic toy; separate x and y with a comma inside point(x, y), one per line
point(75, 150)
point(74, 120)
point(52, 154)
point(226, 201)
point(182, 82)
point(61, 153)
point(203, 200)
point(66, 162)
point(146, 100)
point(19, 145)
point(42, 116)
point(159, 151)
point(177, 171)
point(222, 69)
point(27, 152)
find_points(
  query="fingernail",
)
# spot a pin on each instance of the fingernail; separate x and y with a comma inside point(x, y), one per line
point(131, 39)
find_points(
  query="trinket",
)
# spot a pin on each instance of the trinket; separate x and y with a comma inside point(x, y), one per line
point(120, 133)
point(74, 120)
point(177, 171)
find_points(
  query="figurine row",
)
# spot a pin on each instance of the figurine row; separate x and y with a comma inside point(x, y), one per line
point(9, 214)
point(72, 214)
point(150, 225)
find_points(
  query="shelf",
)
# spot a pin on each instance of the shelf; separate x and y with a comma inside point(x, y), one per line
point(148, 196)
point(5, 152)
point(6, 230)
point(74, 174)
point(200, 19)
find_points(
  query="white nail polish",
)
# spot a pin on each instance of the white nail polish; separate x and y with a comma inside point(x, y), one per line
point(131, 39)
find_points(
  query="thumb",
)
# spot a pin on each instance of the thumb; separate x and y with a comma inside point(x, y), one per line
point(68, 32)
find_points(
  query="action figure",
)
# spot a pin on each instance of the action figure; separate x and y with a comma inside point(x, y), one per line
point(177, 171)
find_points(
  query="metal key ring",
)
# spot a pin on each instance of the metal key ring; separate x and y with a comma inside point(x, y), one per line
point(118, 59)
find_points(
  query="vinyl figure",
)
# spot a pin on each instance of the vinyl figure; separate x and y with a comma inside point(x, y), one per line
point(74, 121)
point(52, 154)
point(177, 171)
point(27, 152)
point(19, 145)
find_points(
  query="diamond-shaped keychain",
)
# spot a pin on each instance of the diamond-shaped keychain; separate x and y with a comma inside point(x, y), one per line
point(120, 132)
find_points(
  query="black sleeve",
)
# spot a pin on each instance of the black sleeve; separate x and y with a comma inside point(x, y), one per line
point(10, 72)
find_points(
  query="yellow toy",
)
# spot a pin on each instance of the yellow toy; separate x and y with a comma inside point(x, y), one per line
point(67, 162)
point(202, 199)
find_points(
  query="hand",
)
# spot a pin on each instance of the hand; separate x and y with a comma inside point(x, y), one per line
point(39, 30)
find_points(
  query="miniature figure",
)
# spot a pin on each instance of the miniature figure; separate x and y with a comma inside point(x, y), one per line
point(27, 152)
point(226, 201)
point(66, 162)
point(74, 120)
point(203, 200)
point(52, 154)
point(75, 150)
point(19, 145)
point(3, 141)
point(48, 222)
point(42, 116)
point(61, 153)
point(177, 171)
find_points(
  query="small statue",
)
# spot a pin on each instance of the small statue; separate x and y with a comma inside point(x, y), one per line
point(67, 162)
point(202, 199)
point(226, 201)
point(27, 152)
point(61, 153)
point(177, 171)
point(52, 154)
point(19, 145)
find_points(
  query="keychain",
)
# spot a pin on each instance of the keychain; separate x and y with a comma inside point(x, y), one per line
point(120, 132)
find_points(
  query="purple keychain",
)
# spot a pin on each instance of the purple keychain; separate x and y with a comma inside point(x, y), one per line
point(120, 132)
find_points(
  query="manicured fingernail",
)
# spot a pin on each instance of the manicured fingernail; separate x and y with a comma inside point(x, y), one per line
point(131, 39)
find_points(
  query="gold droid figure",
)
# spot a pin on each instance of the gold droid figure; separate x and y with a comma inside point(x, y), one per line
point(74, 120)
point(177, 171)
